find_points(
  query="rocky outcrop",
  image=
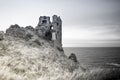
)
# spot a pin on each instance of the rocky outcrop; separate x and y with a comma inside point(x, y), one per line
point(16, 31)
point(20, 32)
point(73, 57)
point(1, 35)
point(30, 28)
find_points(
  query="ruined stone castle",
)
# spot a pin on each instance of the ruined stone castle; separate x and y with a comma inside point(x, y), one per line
point(47, 29)
point(50, 30)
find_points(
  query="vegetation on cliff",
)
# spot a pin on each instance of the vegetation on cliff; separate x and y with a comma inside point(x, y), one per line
point(25, 56)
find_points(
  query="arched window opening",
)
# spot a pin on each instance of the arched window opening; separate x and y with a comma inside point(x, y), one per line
point(44, 21)
point(51, 27)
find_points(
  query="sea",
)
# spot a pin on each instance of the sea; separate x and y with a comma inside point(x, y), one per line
point(106, 57)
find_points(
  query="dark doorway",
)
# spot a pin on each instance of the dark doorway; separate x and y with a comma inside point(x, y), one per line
point(48, 35)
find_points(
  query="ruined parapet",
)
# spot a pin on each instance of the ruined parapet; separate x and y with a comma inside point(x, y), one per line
point(44, 21)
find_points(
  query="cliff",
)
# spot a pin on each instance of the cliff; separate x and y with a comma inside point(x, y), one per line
point(25, 56)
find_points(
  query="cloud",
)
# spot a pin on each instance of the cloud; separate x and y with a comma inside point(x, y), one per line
point(92, 33)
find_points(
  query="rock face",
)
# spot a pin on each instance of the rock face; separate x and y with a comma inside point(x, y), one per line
point(1, 35)
point(20, 32)
point(33, 59)
point(16, 31)
point(73, 57)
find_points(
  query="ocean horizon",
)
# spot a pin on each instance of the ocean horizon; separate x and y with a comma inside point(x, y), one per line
point(107, 57)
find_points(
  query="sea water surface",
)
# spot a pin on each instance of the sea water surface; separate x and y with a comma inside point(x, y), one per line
point(96, 56)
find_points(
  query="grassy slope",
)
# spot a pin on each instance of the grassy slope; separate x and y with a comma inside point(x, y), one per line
point(27, 61)
point(21, 60)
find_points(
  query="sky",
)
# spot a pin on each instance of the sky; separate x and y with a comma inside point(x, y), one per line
point(85, 23)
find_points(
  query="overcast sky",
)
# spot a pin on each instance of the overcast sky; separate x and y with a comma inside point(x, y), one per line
point(85, 22)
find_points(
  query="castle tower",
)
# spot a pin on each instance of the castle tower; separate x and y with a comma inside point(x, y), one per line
point(43, 27)
point(50, 30)
point(57, 28)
